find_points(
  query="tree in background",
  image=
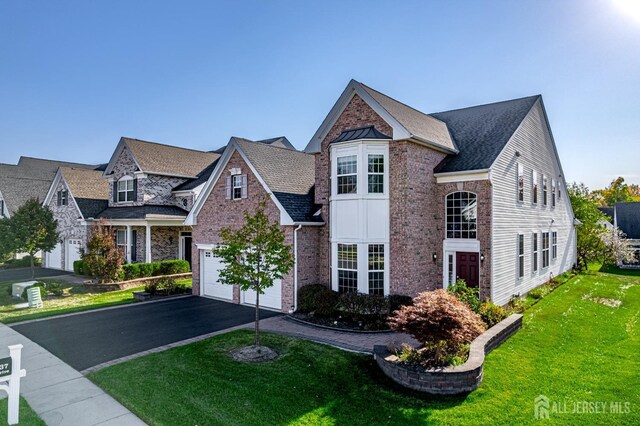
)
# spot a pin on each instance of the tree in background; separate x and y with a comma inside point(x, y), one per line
point(31, 229)
point(617, 248)
point(254, 256)
point(590, 244)
point(617, 192)
point(103, 258)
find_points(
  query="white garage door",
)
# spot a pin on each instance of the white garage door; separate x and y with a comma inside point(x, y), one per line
point(73, 252)
point(211, 266)
point(54, 257)
point(272, 297)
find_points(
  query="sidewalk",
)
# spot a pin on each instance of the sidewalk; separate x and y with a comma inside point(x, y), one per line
point(59, 394)
point(359, 342)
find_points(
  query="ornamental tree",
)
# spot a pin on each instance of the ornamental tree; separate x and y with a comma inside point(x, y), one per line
point(102, 257)
point(255, 255)
point(31, 229)
point(590, 244)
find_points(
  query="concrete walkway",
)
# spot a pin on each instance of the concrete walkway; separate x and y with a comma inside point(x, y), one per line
point(358, 342)
point(59, 394)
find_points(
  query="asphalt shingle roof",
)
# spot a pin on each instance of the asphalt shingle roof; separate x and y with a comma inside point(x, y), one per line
point(53, 165)
point(424, 126)
point(19, 184)
point(628, 219)
point(144, 212)
point(89, 188)
point(169, 160)
point(202, 178)
point(480, 132)
point(608, 211)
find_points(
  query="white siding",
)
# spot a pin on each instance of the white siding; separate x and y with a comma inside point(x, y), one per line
point(510, 217)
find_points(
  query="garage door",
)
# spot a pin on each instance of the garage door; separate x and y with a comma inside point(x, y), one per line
point(54, 257)
point(73, 252)
point(272, 297)
point(211, 266)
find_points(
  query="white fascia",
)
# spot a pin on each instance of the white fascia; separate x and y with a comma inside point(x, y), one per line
point(463, 176)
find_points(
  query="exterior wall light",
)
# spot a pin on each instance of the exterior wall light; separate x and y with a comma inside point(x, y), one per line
point(482, 258)
point(434, 256)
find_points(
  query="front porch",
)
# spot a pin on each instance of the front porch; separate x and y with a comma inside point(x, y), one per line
point(152, 241)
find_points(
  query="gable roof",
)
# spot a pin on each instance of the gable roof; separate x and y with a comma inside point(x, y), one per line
point(160, 159)
point(287, 174)
point(627, 217)
point(53, 165)
point(89, 189)
point(481, 132)
point(19, 184)
point(406, 122)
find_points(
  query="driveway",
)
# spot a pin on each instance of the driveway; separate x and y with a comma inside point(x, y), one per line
point(88, 339)
point(24, 274)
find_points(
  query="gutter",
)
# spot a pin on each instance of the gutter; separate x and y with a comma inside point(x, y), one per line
point(295, 266)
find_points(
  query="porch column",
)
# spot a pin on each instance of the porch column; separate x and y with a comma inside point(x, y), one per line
point(129, 242)
point(147, 245)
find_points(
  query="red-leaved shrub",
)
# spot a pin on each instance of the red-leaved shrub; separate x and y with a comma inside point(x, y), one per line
point(438, 316)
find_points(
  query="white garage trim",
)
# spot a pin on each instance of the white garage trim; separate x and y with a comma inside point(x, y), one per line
point(210, 266)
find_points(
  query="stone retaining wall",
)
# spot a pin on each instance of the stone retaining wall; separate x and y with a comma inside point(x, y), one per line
point(449, 380)
point(125, 285)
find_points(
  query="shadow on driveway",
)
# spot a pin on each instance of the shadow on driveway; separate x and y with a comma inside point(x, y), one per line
point(24, 274)
point(88, 339)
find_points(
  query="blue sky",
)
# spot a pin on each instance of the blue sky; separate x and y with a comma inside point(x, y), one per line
point(77, 75)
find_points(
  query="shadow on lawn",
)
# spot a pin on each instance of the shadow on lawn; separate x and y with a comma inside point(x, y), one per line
point(614, 270)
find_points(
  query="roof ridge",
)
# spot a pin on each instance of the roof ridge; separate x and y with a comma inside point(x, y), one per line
point(275, 147)
point(400, 102)
point(488, 103)
point(167, 145)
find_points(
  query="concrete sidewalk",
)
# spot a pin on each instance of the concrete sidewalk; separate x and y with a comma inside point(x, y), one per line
point(59, 394)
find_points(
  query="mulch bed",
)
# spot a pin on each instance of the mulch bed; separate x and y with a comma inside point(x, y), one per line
point(342, 324)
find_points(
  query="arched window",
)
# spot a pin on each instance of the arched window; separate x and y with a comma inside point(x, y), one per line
point(462, 210)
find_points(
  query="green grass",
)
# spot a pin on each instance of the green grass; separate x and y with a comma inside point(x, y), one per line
point(570, 349)
point(76, 298)
point(26, 416)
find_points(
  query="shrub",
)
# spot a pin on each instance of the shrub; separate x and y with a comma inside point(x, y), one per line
point(54, 289)
point(80, 268)
point(397, 301)
point(151, 287)
point(171, 267)
point(317, 299)
point(363, 307)
point(468, 295)
point(103, 258)
point(40, 285)
point(539, 292)
point(491, 313)
point(437, 316)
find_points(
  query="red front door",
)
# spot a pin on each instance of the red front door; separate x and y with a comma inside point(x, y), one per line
point(468, 268)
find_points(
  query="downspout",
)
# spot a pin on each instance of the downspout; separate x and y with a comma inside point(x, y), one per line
point(295, 268)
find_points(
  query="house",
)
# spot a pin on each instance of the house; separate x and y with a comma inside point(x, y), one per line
point(401, 202)
point(75, 197)
point(626, 217)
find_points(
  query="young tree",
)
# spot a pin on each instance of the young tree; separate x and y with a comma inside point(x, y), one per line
point(254, 256)
point(590, 244)
point(102, 257)
point(31, 229)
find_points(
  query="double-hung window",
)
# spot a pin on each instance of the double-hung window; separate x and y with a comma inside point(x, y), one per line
point(544, 190)
point(534, 253)
point(376, 269)
point(376, 173)
point(520, 183)
point(126, 192)
point(236, 189)
point(347, 268)
point(347, 174)
point(520, 255)
point(534, 187)
point(1, 208)
point(554, 245)
point(121, 239)
point(545, 250)
point(553, 192)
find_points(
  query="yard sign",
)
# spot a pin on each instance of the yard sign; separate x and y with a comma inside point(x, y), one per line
point(11, 373)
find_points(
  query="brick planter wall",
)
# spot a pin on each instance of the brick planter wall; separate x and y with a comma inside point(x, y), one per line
point(125, 285)
point(449, 380)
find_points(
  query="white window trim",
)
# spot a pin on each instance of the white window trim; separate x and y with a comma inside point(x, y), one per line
point(383, 270)
point(363, 265)
point(234, 186)
point(554, 246)
point(519, 178)
point(384, 168)
point(545, 190)
point(548, 250)
point(446, 217)
point(535, 190)
point(125, 180)
point(361, 149)
point(535, 253)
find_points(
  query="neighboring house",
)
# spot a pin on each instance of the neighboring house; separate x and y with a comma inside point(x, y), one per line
point(76, 196)
point(247, 172)
point(405, 201)
point(626, 217)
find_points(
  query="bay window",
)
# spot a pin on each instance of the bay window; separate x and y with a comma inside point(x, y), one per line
point(347, 268)
point(376, 269)
point(348, 174)
point(376, 174)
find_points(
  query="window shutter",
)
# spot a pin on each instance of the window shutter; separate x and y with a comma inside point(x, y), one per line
point(228, 187)
point(59, 198)
point(115, 191)
point(135, 189)
point(244, 186)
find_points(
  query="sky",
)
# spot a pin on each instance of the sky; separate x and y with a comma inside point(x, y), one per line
point(75, 76)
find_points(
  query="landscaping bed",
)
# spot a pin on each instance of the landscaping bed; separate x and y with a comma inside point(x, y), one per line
point(570, 349)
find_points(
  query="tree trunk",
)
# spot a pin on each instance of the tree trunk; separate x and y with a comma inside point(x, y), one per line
point(33, 267)
point(257, 318)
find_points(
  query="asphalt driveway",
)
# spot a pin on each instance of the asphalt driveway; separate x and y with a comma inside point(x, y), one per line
point(24, 274)
point(88, 339)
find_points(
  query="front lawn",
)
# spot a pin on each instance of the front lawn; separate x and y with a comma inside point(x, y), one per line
point(572, 348)
point(76, 298)
point(26, 416)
